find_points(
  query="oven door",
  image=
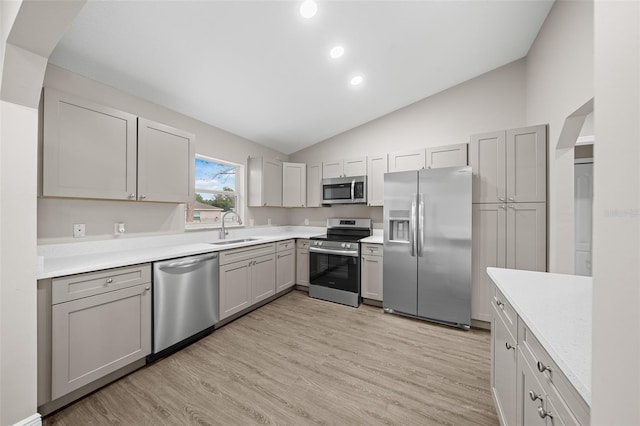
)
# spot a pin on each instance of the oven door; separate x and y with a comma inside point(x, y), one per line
point(334, 269)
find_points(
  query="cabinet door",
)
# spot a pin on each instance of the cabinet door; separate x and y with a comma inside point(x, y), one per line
point(407, 160)
point(487, 156)
point(371, 277)
point(527, 236)
point(526, 153)
point(355, 166)
point(235, 288)
point(375, 180)
point(332, 169)
point(166, 163)
point(503, 371)
point(272, 183)
point(530, 395)
point(97, 335)
point(447, 156)
point(285, 270)
point(489, 249)
point(314, 179)
point(294, 184)
point(302, 267)
point(89, 150)
point(263, 277)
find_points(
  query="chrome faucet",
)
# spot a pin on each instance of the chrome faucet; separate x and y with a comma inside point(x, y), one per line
point(223, 232)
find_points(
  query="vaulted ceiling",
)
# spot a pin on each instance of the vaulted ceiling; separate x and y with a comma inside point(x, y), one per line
point(260, 70)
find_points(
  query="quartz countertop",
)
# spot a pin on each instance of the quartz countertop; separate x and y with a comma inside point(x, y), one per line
point(557, 310)
point(374, 239)
point(56, 260)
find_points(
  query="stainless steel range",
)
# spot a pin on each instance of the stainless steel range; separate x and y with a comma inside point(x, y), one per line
point(334, 261)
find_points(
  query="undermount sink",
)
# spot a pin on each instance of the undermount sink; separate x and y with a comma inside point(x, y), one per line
point(225, 242)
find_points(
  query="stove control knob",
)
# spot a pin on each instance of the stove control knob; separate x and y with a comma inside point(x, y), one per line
point(348, 246)
point(343, 245)
point(319, 243)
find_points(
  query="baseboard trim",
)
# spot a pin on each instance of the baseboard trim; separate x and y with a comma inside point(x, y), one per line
point(34, 420)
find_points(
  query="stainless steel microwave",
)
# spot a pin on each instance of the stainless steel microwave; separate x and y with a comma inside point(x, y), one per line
point(345, 190)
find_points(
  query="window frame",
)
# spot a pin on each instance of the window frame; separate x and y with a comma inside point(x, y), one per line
point(239, 194)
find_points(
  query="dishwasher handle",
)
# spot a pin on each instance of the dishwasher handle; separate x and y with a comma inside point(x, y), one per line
point(189, 262)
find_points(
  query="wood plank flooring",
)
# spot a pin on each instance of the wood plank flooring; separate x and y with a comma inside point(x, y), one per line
point(299, 361)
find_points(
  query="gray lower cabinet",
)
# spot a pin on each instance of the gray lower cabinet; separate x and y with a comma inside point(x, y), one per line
point(285, 265)
point(371, 272)
point(302, 262)
point(527, 385)
point(247, 276)
point(89, 326)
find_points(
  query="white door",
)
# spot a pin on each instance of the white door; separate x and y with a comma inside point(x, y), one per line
point(583, 185)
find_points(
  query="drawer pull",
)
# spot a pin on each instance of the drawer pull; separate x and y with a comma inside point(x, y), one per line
point(533, 396)
point(509, 346)
point(544, 414)
point(109, 280)
point(542, 368)
point(500, 304)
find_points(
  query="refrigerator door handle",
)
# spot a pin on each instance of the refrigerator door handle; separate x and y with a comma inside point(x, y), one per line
point(412, 224)
point(353, 190)
point(420, 225)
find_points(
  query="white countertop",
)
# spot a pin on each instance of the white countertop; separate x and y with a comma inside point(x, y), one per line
point(374, 239)
point(557, 309)
point(56, 260)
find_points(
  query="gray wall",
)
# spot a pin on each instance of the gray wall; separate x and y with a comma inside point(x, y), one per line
point(57, 216)
point(492, 101)
point(559, 81)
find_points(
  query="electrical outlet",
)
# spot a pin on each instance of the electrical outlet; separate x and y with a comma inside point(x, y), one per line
point(118, 228)
point(269, 221)
point(306, 221)
point(78, 230)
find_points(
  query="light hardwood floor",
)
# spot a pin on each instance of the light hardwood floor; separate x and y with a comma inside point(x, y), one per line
point(303, 361)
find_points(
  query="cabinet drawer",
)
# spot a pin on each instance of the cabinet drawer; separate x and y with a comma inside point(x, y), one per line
point(78, 286)
point(372, 249)
point(554, 380)
point(302, 244)
point(285, 245)
point(246, 253)
point(505, 311)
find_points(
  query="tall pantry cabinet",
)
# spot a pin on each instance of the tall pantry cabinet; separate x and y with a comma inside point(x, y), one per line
point(509, 207)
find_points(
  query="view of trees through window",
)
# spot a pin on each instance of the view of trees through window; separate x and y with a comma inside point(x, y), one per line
point(216, 192)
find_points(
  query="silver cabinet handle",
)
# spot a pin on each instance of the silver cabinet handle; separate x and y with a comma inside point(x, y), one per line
point(503, 207)
point(544, 414)
point(132, 196)
point(533, 396)
point(500, 304)
point(510, 198)
point(542, 368)
point(142, 197)
point(146, 289)
point(500, 198)
point(508, 346)
point(512, 207)
point(109, 280)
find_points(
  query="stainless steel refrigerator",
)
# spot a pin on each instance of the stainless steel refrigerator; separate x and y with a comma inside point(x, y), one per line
point(427, 244)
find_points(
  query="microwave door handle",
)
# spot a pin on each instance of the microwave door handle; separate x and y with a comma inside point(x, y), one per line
point(353, 190)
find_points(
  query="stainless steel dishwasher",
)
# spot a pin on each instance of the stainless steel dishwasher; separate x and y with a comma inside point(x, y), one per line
point(185, 298)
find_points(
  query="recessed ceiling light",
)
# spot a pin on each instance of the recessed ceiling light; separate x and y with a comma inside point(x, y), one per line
point(357, 80)
point(308, 9)
point(337, 52)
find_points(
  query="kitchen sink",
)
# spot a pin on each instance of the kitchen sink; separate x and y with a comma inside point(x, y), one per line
point(226, 242)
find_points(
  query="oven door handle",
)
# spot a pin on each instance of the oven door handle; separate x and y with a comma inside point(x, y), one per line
point(353, 190)
point(349, 253)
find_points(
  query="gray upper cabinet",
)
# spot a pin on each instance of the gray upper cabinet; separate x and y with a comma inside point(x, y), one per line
point(165, 163)
point(294, 185)
point(89, 150)
point(407, 160)
point(265, 182)
point(509, 166)
point(447, 156)
point(93, 151)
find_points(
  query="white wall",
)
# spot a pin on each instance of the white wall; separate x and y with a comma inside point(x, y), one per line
point(616, 215)
point(559, 70)
point(492, 101)
point(27, 35)
point(57, 216)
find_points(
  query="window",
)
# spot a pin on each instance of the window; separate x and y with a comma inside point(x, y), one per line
point(217, 190)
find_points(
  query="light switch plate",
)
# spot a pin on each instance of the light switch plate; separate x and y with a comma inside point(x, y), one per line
point(78, 230)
